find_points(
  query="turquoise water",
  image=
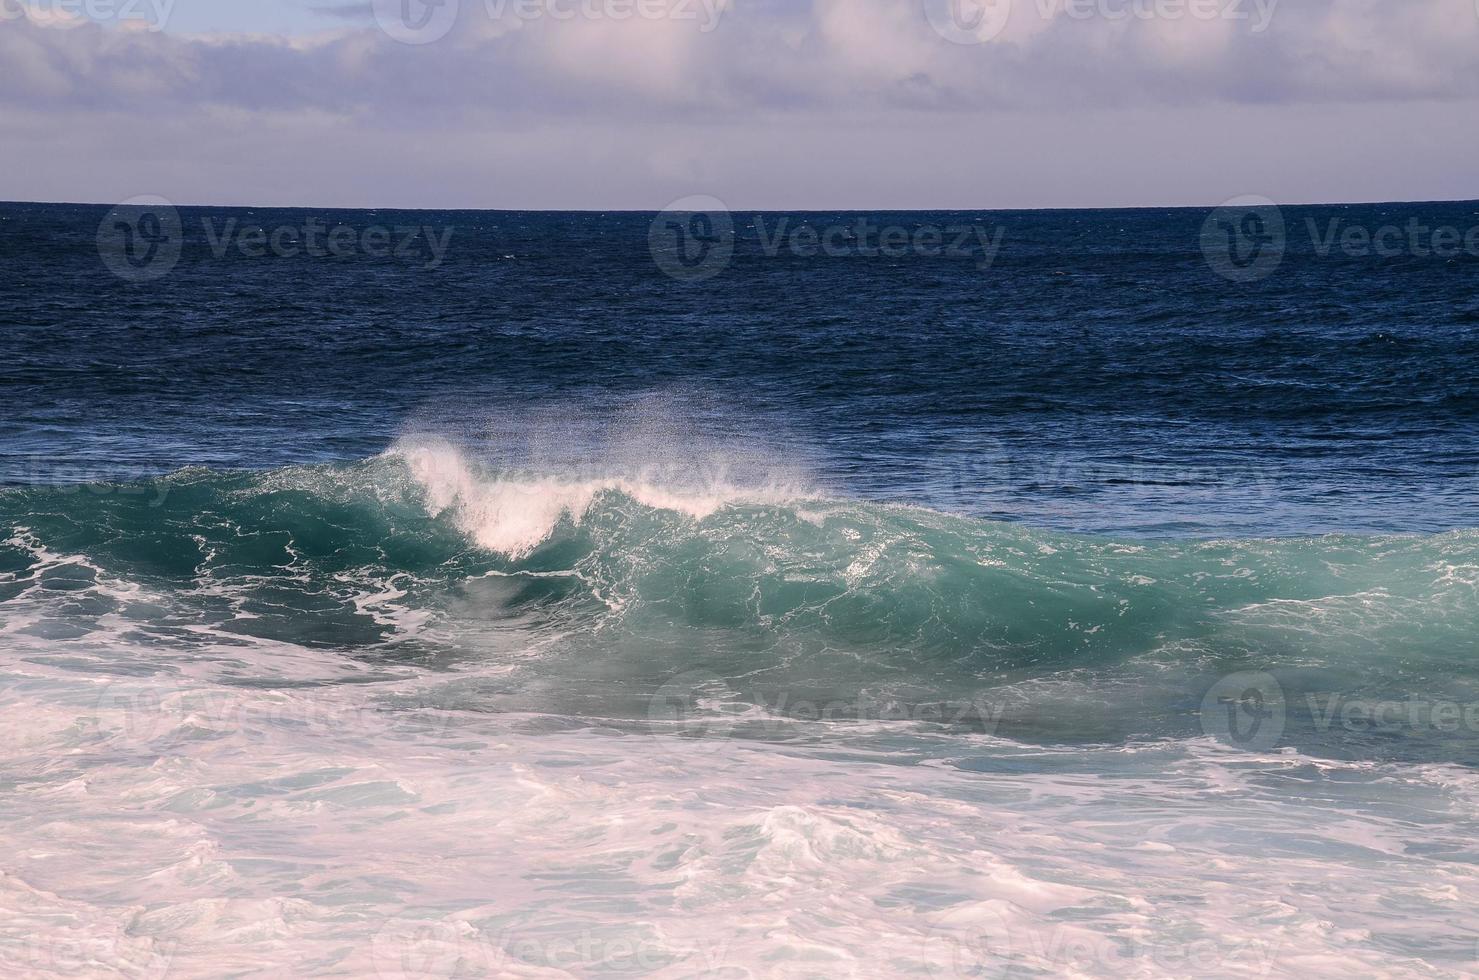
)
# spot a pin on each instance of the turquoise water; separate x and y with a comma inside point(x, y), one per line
point(591, 595)
point(540, 615)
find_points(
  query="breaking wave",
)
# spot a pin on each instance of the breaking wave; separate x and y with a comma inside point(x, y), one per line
point(586, 593)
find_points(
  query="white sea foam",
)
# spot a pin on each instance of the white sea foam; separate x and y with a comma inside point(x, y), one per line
point(190, 792)
point(211, 829)
point(514, 512)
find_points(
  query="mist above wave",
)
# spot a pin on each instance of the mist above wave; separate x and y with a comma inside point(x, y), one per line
point(514, 512)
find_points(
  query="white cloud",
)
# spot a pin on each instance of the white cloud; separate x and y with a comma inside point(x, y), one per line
point(864, 67)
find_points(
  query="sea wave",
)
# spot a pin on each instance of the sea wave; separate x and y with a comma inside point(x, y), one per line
point(577, 689)
point(589, 592)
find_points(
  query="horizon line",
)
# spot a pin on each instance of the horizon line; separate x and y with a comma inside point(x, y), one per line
point(754, 210)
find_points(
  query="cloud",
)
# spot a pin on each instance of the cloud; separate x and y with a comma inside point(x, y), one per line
point(743, 68)
point(766, 55)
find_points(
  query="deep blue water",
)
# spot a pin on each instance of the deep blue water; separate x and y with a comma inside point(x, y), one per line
point(1099, 376)
point(563, 588)
point(507, 433)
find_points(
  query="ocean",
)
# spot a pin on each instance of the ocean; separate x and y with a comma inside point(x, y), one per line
point(938, 594)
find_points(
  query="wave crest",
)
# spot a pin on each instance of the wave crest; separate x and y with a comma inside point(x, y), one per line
point(513, 513)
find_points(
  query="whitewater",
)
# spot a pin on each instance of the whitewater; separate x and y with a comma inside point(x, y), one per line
point(425, 715)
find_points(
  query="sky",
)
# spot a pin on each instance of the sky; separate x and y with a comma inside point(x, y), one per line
point(785, 104)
